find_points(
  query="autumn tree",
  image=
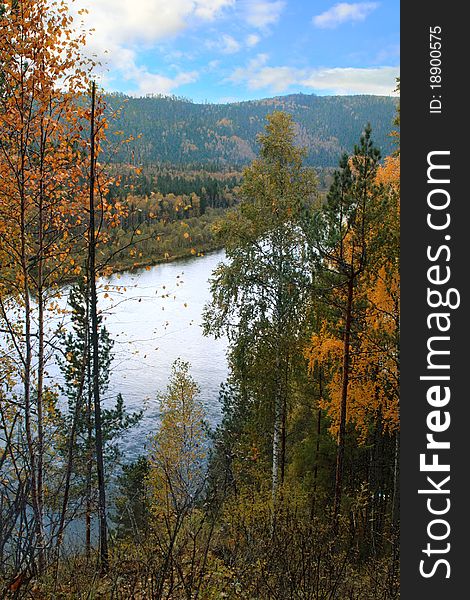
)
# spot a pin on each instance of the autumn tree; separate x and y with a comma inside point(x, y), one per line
point(177, 475)
point(342, 238)
point(383, 337)
point(258, 294)
point(41, 204)
point(178, 449)
point(44, 230)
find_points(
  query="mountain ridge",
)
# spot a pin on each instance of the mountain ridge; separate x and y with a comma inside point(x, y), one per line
point(178, 131)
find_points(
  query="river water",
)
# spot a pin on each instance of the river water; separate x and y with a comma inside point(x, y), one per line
point(154, 317)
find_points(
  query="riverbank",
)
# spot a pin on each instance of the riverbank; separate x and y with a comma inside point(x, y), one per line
point(153, 242)
point(135, 266)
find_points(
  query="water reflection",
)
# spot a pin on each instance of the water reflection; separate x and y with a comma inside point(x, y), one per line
point(154, 317)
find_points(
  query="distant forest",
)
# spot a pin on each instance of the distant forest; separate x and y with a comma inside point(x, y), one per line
point(179, 132)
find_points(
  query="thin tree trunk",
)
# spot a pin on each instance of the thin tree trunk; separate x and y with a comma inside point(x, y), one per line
point(277, 435)
point(284, 424)
point(317, 449)
point(27, 363)
point(283, 441)
point(40, 375)
point(374, 507)
point(103, 528)
point(89, 465)
point(278, 398)
point(395, 533)
point(344, 398)
point(71, 448)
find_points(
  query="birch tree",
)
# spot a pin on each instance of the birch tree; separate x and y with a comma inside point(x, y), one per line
point(258, 295)
point(41, 208)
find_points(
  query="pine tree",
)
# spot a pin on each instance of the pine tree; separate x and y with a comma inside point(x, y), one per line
point(78, 423)
point(132, 505)
point(341, 236)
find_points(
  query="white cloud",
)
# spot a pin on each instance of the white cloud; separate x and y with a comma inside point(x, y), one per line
point(226, 44)
point(259, 60)
point(258, 75)
point(379, 81)
point(252, 40)
point(275, 78)
point(209, 9)
point(152, 83)
point(385, 54)
point(229, 45)
point(262, 13)
point(344, 12)
point(121, 26)
point(147, 21)
point(142, 81)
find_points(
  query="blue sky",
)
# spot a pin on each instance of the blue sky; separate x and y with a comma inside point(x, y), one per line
point(231, 50)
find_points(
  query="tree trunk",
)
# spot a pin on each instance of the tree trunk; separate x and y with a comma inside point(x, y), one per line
point(89, 465)
point(103, 528)
point(396, 485)
point(278, 377)
point(284, 423)
point(317, 448)
point(71, 448)
point(40, 375)
point(27, 363)
point(395, 533)
point(344, 398)
point(277, 436)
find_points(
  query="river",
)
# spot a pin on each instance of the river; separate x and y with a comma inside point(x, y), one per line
point(154, 317)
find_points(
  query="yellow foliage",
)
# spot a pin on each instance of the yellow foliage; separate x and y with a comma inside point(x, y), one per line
point(373, 390)
point(178, 449)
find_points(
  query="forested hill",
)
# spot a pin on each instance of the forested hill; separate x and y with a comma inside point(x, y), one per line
point(180, 132)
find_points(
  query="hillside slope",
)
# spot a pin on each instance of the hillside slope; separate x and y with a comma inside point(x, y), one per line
point(179, 132)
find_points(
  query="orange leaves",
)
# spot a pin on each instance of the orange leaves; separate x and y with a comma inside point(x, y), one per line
point(43, 115)
point(255, 453)
point(384, 295)
point(373, 380)
point(389, 172)
point(323, 348)
point(373, 362)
